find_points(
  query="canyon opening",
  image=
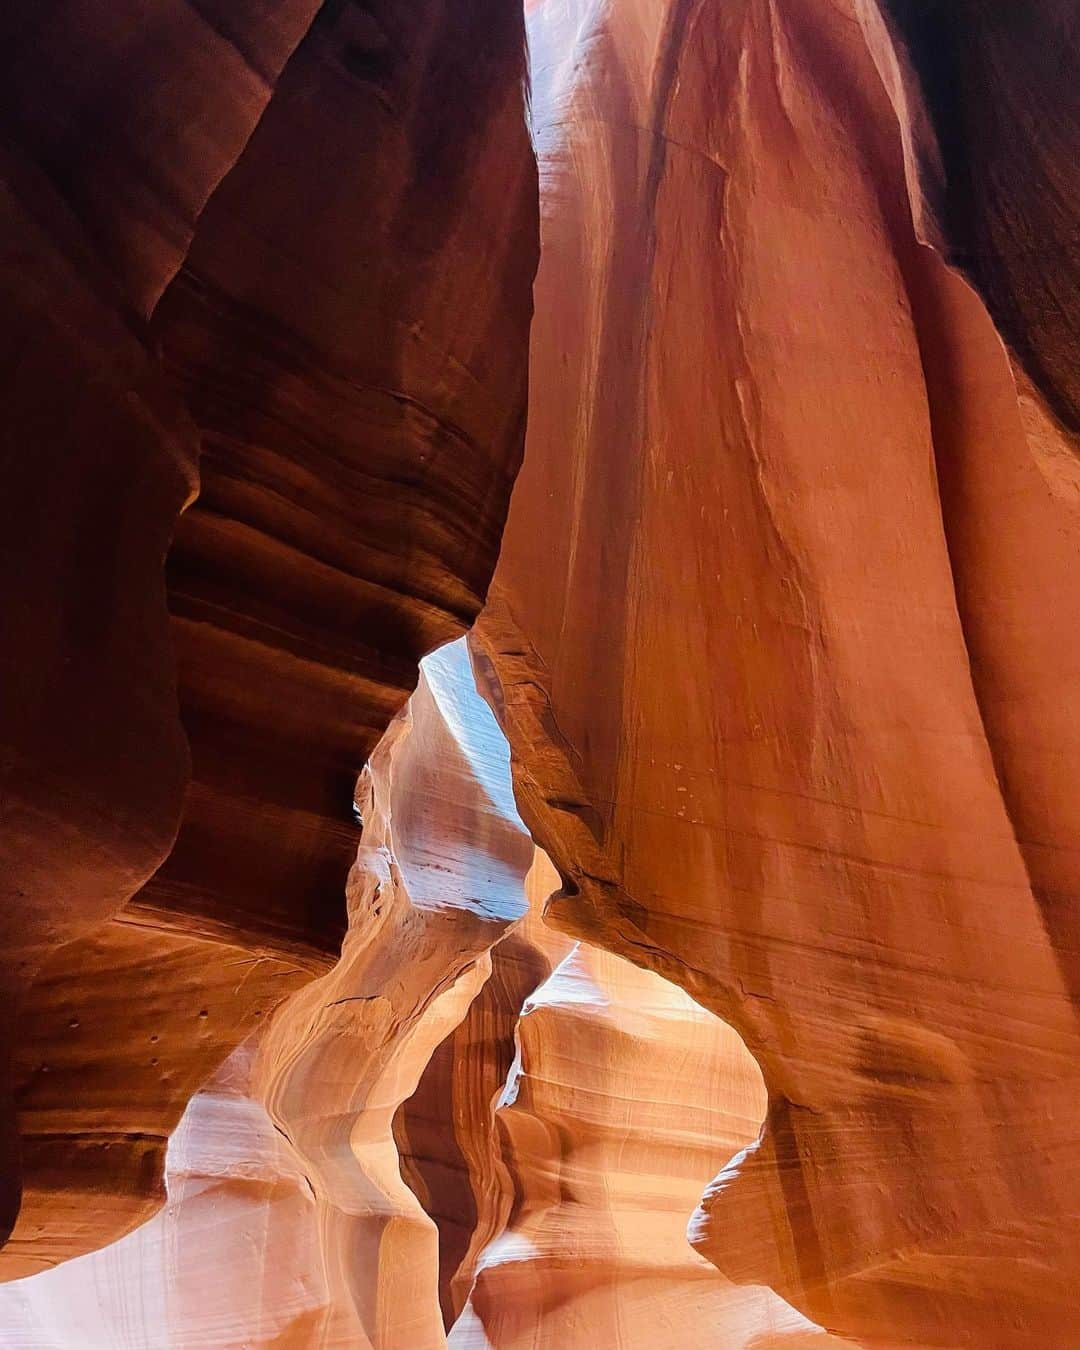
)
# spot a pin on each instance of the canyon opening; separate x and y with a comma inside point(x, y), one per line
point(541, 692)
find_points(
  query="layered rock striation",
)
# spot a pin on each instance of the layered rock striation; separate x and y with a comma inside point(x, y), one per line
point(232, 1258)
point(289, 1155)
point(447, 1135)
point(471, 1132)
point(248, 252)
point(771, 639)
point(623, 1100)
point(439, 879)
point(781, 636)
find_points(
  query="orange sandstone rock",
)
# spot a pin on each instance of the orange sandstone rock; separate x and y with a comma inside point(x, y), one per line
point(770, 638)
point(624, 1097)
point(231, 1259)
point(446, 1132)
point(782, 636)
point(439, 878)
point(301, 264)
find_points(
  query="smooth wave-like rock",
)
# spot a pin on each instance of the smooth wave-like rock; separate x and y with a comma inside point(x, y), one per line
point(254, 238)
point(231, 1259)
point(470, 1126)
point(289, 1155)
point(782, 636)
point(1000, 83)
point(439, 879)
point(446, 1133)
point(623, 1100)
point(116, 125)
point(788, 708)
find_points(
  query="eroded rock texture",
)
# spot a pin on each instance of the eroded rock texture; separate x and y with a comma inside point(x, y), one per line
point(555, 1112)
point(781, 637)
point(1001, 85)
point(289, 1156)
point(446, 1132)
point(299, 238)
point(439, 878)
point(623, 1099)
point(231, 1259)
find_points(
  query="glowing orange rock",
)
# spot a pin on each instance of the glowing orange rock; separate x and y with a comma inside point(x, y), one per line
point(770, 636)
point(624, 1098)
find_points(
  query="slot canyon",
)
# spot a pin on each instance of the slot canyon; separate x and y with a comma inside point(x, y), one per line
point(540, 717)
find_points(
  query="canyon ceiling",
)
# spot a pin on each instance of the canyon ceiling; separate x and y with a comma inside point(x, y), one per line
point(540, 716)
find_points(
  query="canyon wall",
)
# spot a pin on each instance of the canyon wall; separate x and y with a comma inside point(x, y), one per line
point(447, 1134)
point(262, 253)
point(1000, 86)
point(232, 1258)
point(782, 636)
point(438, 880)
point(471, 1132)
point(782, 633)
point(287, 1222)
point(624, 1098)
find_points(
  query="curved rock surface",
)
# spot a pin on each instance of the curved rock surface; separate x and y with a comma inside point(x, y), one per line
point(624, 1099)
point(252, 232)
point(446, 1132)
point(289, 1155)
point(783, 637)
point(439, 878)
point(231, 1259)
point(1001, 87)
point(518, 1133)
point(788, 708)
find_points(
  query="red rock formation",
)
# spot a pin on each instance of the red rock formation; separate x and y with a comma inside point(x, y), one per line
point(231, 1259)
point(446, 1131)
point(351, 346)
point(782, 637)
point(439, 878)
point(1001, 82)
point(624, 1098)
point(769, 638)
point(347, 334)
point(116, 127)
point(617, 1098)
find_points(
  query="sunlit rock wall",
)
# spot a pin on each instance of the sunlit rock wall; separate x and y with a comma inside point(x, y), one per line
point(285, 1193)
point(231, 1259)
point(471, 1132)
point(782, 636)
point(439, 878)
point(446, 1133)
point(624, 1098)
point(782, 633)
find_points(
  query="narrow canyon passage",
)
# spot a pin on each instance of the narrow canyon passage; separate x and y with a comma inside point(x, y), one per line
point(579, 1103)
point(540, 675)
point(800, 733)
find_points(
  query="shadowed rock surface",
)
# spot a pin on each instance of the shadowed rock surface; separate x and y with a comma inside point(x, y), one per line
point(269, 234)
point(782, 635)
point(501, 1142)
